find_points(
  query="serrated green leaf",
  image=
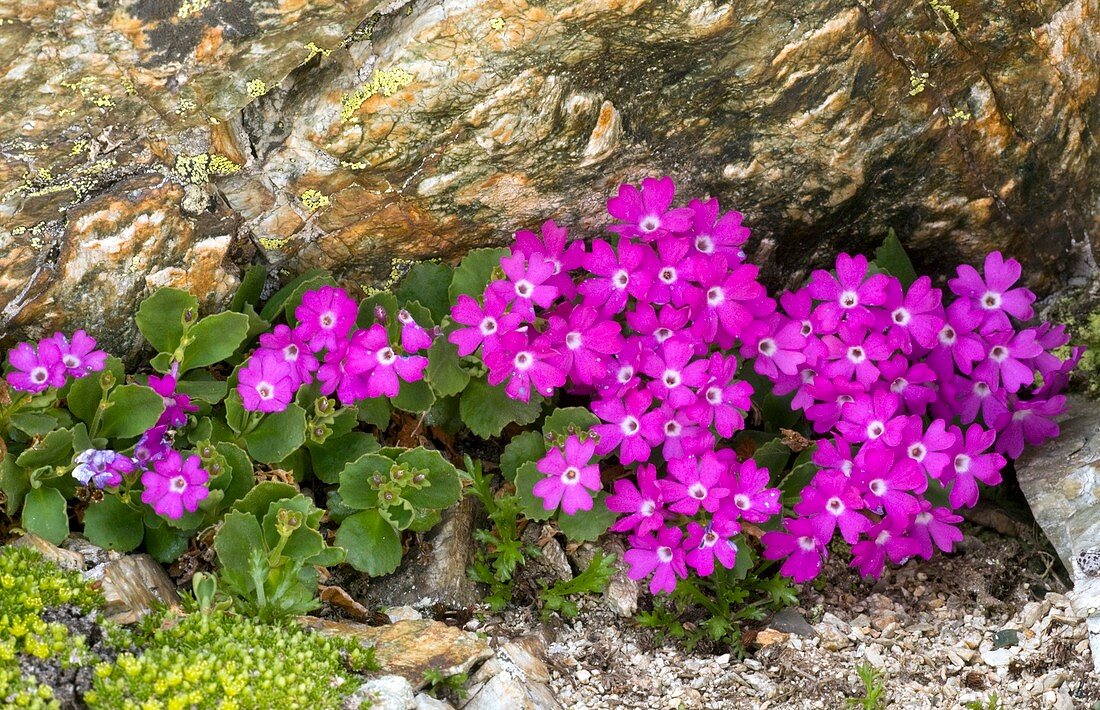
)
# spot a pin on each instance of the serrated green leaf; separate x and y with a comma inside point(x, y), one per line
point(242, 474)
point(564, 421)
point(528, 446)
point(444, 488)
point(414, 397)
point(376, 412)
point(15, 481)
point(160, 317)
point(262, 495)
point(773, 456)
point(45, 513)
point(213, 339)
point(486, 409)
point(428, 283)
point(531, 505)
point(33, 424)
point(131, 410)
point(55, 449)
point(165, 544)
point(372, 544)
point(113, 525)
point(474, 273)
point(355, 480)
point(587, 525)
point(445, 371)
point(277, 435)
point(330, 458)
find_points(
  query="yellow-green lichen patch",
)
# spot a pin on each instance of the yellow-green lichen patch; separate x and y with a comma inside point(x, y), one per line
point(272, 244)
point(314, 200)
point(257, 88)
point(314, 50)
point(199, 168)
point(385, 82)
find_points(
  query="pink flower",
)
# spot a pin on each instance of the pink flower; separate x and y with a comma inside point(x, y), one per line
point(798, 546)
point(847, 295)
point(584, 341)
point(661, 556)
point(413, 336)
point(694, 484)
point(175, 485)
point(913, 382)
point(714, 235)
point(486, 325)
point(705, 545)
point(152, 446)
point(887, 539)
point(624, 427)
point(854, 353)
point(970, 397)
point(887, 484)
point(1005, 351)
point(1031, 422)
point(776, 343)
point(958, 345)
point(568, 475)
point(671, 282)
point(869, 418)
point(918, 317)
point(325, 316)
point(934, 525)
point(969, 463)
point(526, 287)
point(673, 371)
point(727, 298)
point(334, 377)
point(646, 212)
point(722, 400)
point(524, 364)
point(36, 369)
point(642, 505)
point(554, 245)
point(293, 350)
point(267, 383)
point(615, 277)
point(749, 497)
point(372, 360)
point(994, 294)
point(831, 501)
point(176, 405)
point(79, 355)
point(645, 321)
point(928, 448)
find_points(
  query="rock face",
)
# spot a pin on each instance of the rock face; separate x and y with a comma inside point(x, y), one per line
point(1061, 481)
point(149, 142)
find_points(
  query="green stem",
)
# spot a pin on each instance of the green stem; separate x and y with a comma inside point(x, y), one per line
point(7, 412)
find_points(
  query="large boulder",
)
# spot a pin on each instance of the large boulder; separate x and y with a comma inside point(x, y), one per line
point(149, 142)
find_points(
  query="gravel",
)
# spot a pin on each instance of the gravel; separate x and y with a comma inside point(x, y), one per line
point(943, 633)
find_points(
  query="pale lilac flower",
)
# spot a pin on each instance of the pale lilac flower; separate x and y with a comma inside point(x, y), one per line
point(102, 468)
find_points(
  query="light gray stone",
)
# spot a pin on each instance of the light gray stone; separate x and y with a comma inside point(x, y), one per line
point(388, 692)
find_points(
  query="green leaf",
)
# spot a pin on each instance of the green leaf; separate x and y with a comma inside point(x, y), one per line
point(428, 283)
point(486, 409)
point(891, 257)
point(528, 446)
point(444, 489)
point(277, 435)
point(213, 339)
point(14, 482)
point(33, 424)
point(131, 410)
point(165, 544)
point(328, 557)
point(251, 288)
point(261, 496)
point(84, 395)
point(355, 485)
point(388, 303)
point(160, 317)
point(474, 273)
point(563, 422)
point(424, 519)
point(773, 456)
point(302, 543)
point(375, 411)
point(55, 449)
point(330, 458)
point(526, 478)
point(373, 546)
point(242, 474)
point(587, 525)
point(343, 422)
point(113, 525)
point(238, 535)
point(209, 391)
point(414, 397)
point(45, 514)
point(444, 372)
point(277, 302)
point(444, 415)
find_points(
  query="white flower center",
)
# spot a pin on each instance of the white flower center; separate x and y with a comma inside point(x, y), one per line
point(697, 491)
point(524, 360)
point(709, 539)
point(177, 484)
point(625, 374)
point(667, 275)
point(488, 326)
point(71, 361)
point(849, 299)
point(714, 395)
point(923, 518)
point(39, 374)
point(846, 468)
point(917, 452)
point(766, 347)
point(648, 508)
point(629, 425)
point(898, 385)
point(715, 296)
point(962, 463)
point(328, 320)
point(991, 300)
point(998, 354)
point(573, 340)
point(807, 543)
point(671, 378)
point(386, 356)
point(981, 389)
point(662, 334)
point(672, 428)
point(649, 223)
point(835, 506)
point(290, 353)
point(875, 429)
point(664, 554)
point(571, 476)
point(878, 487)
point(948, 335)
point(883, 538)
point(856, 354)
point(265, 390)
point(704, 243)
point(620, 279)
point(404, 316)
point(742, 501)
point(901, 316)
point(807, 327)
point(524, 288)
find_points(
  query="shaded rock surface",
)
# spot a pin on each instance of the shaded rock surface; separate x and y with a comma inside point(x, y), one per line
point(149, 143)
point(1061, 481)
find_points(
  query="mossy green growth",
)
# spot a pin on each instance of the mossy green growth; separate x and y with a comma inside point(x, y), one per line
point(29, 585)
point(218, 660)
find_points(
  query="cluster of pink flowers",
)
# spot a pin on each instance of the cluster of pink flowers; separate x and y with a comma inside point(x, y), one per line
point(911, 390)
point(53, 361)
point(354, 363)
point(642, 327)
point(648, 326)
